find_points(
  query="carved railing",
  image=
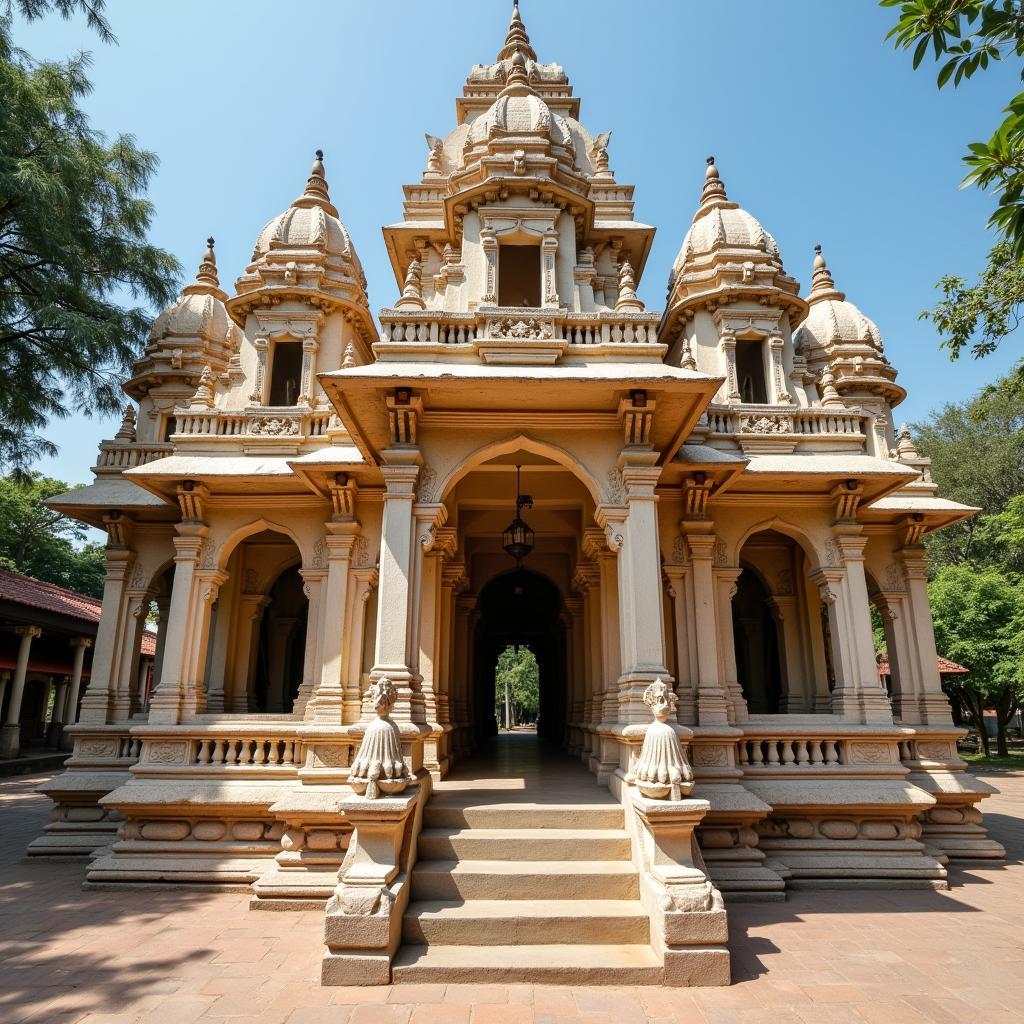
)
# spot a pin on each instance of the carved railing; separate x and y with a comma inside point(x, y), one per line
point(797, 752)
point(245, 751)
point(767, 750)
point(513, 324)
point(264, 748)
point(293, 424)
point(773, 420)
point(118, 455)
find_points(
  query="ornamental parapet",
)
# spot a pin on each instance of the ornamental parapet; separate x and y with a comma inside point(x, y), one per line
point(115, 456)
point(784, 429)
point(224, 749)
point(256, 425)
point(629, 334)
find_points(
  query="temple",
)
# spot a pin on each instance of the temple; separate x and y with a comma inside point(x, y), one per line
point(328, 520)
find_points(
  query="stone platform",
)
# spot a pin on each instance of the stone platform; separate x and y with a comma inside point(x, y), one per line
point(922, 957)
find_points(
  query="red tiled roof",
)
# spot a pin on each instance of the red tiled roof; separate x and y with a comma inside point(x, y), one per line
point(946, 667)
point(33, 593)
point(49, 597)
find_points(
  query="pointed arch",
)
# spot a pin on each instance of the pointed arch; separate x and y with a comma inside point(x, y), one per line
point(787, 529)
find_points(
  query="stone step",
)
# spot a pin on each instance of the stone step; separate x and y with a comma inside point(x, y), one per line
point(463, 813)
point(524, 844)
point(526, 922)
point(524, 880)
point(629, 964)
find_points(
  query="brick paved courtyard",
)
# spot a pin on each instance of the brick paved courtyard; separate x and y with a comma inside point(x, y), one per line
point(69, 956)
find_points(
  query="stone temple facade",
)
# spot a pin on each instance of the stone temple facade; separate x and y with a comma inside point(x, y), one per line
point(314, 508)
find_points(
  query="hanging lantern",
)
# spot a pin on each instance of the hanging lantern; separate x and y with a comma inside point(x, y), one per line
point(517, 538)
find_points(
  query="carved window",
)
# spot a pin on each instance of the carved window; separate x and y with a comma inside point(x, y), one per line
point(286, 373)
point(519, 274)
point(750, 372)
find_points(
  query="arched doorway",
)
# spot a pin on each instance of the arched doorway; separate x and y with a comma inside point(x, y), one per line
point(521, 608)
point(757, 645)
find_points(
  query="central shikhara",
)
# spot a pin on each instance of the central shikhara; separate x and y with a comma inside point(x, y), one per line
point(313, 510)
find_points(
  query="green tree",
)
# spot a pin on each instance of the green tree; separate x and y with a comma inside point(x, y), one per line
point(965, 37)
point(37, 541)
point(977, 453)
point(979, 623)
point(74, 260)
point(516, 686)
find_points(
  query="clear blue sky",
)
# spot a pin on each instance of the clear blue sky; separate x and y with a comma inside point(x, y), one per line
point(820, 129)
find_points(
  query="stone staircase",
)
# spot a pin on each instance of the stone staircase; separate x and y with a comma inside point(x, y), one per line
point(524, 891)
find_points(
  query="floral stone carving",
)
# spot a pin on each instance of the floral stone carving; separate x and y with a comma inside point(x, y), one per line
point(662, 771)
point(378, 767)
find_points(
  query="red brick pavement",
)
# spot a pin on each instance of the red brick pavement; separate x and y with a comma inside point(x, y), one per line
point(69, 956)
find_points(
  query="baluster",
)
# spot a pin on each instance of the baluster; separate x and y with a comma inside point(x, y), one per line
point(801, 751)
point(218, 752)
point(273, 759)
point(244, 752)
point(788, 755)
point(815, 751)
point(742, 754)
point(831, 754)
point(204, 752)
point(616, 333)
point(288, 757)
point(231, 756)
point(773, 752)
point(261, 752)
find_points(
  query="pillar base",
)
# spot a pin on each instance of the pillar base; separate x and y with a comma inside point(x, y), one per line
point(10, 741)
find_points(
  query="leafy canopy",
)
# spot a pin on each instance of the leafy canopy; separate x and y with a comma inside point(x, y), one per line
point(73, 228)
point(518, 667)
point(37, 541)
point(965, 37)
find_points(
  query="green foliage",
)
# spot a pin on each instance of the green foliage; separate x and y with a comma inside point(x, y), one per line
point(73, 226)
point(967, 36)
point(977, 453)
point(37, 541)
point(518, 668)
point(979, 623)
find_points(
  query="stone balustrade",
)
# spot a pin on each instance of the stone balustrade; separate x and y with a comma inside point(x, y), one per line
point(118, 455)
point(814, 752)
point(276, 424)
point(756, 421)
point(512, 324)
point(228, 752)
point(266, 749)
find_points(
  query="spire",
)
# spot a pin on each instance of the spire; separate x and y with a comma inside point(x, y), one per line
point(905, 447)
point(822, 284)
point(208, 268)
point(518, 81)
point(714, 190)
point(627, 299)
point(517, 39)
point(316, 185)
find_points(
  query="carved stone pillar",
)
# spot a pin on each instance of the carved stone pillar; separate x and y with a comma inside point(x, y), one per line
point(780, 394)
point(549, 250)
point(489, 244)
point(364, 583)
point(124, 700)
point(10, 735)
point(640, 607)
point(899, 646)
point(577, 676)
point(239, 697)
point(727, 346)
point(464, 605)
point(686, 690)
point(307, 395)
point(932, 704)
point(80, 644)
point(713, 702)
point(394, 595)
point(327, 701)
point(312, 587)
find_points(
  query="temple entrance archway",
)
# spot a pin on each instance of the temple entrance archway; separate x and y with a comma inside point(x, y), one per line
point(521, 608)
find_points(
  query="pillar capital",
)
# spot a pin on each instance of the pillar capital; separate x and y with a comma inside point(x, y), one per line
point(28, 631)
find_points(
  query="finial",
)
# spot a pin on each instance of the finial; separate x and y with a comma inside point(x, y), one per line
point(126, 432)
point(412, 292)
point(627, 299)
point(829, 396)
point(905, 447)
point(517, 38)
point(822, 284)
point(713, 190)
point(208, 268)
point(204, 396)
point(316, 185)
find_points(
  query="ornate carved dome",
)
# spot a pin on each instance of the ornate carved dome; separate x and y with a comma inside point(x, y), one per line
point(200, 312)
point(516, 114)
point(719, 223)
point(838, 335)
point(311, 222)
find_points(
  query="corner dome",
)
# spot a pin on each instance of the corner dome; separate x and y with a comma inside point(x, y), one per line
point(719, 223)
point(200, 312)
point(311, 222)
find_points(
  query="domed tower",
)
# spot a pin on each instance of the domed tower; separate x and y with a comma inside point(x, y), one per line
point(188, 337)
point(517, 225)
point(301, 303)
point(731, 305)
point(845, 354)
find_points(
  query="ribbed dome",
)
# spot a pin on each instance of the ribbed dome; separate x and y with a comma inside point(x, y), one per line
point(311, 222)
point(517, 114)
point(725, 225)
point(200, 312)
point(832, 321)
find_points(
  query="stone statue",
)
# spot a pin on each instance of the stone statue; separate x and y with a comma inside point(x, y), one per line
point(378, 766)
point(662, 771)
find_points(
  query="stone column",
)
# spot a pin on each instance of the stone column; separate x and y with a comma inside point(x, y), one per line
point(115, 627)
point(588, 578)
point(53, 734)
point(279, 633)
point(932, 704)
point(725, 590)
point(392, 649)
point(796, 700)
point(238, 697)
point(81, 644)
point(312, 668)
point(577, 673)
point(327, 702)
point(464, 605)
point(124, 698)
point(5, 678)
point(900, 650)
point(184, 618)
point(686, 709)
point(640, 602)
point(10, 734)
point(163, 603)
point(713, 702)
point(858, 694)
point(364, 581)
